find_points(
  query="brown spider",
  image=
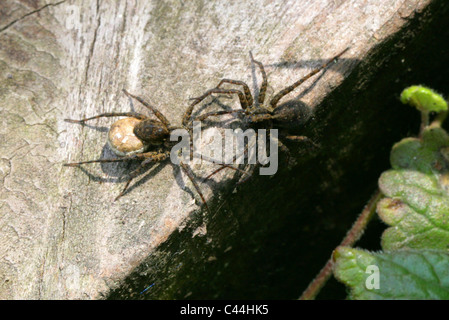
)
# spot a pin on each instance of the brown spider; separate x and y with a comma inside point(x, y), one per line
point(132, 137)
point(288, 116)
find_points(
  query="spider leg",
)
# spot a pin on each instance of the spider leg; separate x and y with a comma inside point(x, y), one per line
point(217, 113)
point(284, 92)
point(263, 86)
point(187, 115)
point(137, 156)
point(284, 148)
point(250, 172)
point(188, 172)
point(74, 164)
point(151, 157)
point(262, 116)
point(297, 138)
point(158, 114)
point(300, 138)
point(224, 166)
point(248, 96)
point(132, 175)
point(147, 157)
point(111, 114)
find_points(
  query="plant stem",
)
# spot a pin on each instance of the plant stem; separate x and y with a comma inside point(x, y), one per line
point(424, 121)
point(349, 240)
point(438, 121)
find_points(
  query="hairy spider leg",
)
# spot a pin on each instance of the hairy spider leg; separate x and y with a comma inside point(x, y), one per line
point(249, 97)
point(300, 138)
point(137, 156)
point(249, 173)
point(216, 113)
point(263, 86)
point(189, 174)
point(247, 93)
point(110, 114)
point(283, 148)
point(224, 166)
point(158, 114)
point(187, 115)
point(243, 102)
point(150, 157)
point(246, 100)
point(274, 101)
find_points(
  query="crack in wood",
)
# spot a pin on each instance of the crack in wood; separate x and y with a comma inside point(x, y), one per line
point(30, 13)
point(92, 45)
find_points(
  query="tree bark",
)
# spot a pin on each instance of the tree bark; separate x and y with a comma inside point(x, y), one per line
point(62, 235)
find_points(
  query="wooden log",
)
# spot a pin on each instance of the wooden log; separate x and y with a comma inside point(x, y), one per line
point(62, 235)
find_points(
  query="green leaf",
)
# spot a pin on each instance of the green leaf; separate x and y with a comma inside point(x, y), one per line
point(404, 274)
point(424, 99)
point(415, 264)
point(417, 203)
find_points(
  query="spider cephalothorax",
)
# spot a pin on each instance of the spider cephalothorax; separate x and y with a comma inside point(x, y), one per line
point(138, 137)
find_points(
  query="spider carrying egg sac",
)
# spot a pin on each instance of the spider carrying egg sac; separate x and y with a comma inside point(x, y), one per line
point(122, 140)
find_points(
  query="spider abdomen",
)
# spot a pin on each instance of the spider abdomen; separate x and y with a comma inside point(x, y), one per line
point(122, 140)
point(151, 131)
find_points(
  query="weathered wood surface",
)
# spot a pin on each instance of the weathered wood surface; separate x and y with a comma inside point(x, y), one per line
point(61, 234)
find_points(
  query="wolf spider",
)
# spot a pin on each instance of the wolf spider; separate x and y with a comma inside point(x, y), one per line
point(132, 137)
point(287, 116)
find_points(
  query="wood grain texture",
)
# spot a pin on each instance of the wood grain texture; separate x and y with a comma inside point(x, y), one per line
point(61, 234)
